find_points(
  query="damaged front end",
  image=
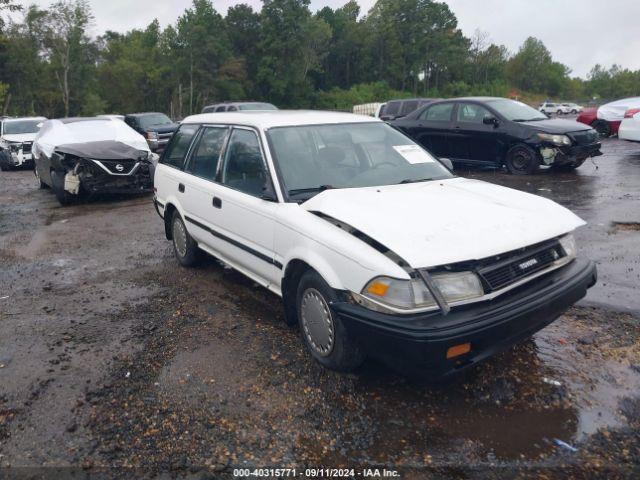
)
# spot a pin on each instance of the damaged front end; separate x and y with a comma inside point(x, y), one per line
point(104, 167)
point(570, 149)
point(18, 154)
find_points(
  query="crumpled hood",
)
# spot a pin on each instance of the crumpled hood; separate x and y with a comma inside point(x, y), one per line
point(557, 126)
point(447, 221)
point(20, 137)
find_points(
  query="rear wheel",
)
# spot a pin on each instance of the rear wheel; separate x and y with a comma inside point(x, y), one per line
point(559, 112)
point(522, 160)
point(184, 247)
point(57, 185)
point(323, 333)
point(602, 127)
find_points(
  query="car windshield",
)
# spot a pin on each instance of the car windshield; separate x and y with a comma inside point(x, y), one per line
point(155, 119)
point(515, 111)
point(257, 106)
point(314, 158)
point(26, 126)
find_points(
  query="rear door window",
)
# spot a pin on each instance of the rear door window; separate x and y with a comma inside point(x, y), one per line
point(408, 107)
point(178, 147)
point(205, 155)
point(221, 108)
point(440, 112)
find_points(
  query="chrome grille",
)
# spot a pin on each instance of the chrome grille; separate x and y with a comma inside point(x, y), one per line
point(517, 266)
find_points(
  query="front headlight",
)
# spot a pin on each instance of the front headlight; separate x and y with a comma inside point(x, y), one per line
point(555, 139)
point(152, 136)
point(568, 244)
point(399, 294)
point(457, 286)
point(412, 295)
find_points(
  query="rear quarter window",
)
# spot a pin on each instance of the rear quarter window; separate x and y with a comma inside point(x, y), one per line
point(178, 147)
point(392, 108)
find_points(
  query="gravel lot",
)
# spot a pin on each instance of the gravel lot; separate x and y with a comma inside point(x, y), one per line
point(114, 361)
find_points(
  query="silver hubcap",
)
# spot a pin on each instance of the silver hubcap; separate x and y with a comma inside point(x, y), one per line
point(317, 322)
point(180, 238)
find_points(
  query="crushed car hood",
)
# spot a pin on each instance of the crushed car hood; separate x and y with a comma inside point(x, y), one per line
point(19, 137)
point(446, 221)
point(557, 126)
point(103, 150)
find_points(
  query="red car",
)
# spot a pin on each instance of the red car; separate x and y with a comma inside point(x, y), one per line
point(606, 119)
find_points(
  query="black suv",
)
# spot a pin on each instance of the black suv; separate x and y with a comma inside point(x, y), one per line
point(156, 127)
point(494, 131)
point(399, 108)
point(238, 106)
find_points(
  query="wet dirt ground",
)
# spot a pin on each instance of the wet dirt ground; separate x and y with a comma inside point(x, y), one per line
point(116, 362)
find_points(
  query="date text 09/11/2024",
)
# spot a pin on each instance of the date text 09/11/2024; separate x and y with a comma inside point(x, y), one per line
point(316, 473)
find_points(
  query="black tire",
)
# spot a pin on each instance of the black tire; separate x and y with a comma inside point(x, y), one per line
point(522, 160)
point(574, 112)
point(184, 247)
point(5, 161)
point(603, 128)
point(339, 350)
point(57, 185)
point(559, 112)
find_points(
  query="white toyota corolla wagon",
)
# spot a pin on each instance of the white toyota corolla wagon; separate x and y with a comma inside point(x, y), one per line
point(374, 245)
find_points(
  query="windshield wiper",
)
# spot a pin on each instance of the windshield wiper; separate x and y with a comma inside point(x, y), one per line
point(298, 191)
point(417, 180)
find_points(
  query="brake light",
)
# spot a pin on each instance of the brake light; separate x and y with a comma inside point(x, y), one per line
point(631, 112)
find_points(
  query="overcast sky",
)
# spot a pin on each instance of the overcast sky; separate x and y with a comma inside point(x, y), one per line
point(579, 33)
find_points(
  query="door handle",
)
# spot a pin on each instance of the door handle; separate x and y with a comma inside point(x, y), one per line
point(181, 187)
point(217, 202)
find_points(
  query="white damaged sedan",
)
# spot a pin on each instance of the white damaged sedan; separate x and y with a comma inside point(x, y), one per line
point(375, 247)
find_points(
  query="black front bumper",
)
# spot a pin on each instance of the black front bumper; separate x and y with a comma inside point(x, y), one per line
point(418, 344)
point(578, 152)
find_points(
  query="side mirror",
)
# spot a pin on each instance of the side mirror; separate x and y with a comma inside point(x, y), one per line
point(447, 163)
point(490, 120)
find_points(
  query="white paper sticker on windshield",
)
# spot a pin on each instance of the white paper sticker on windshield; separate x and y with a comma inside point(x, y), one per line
point(413, 154)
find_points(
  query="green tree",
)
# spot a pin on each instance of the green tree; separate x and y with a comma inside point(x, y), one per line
point(283, 69)
point(67, 47)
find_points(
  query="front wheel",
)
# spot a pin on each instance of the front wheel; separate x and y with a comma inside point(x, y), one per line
point(522, 160)
point(41, 184)
point(57, 185)
point(184, 247)
point(5, 161)
point(322, 331)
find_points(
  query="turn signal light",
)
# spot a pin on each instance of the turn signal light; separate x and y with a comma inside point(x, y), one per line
point(458, 350)
point(378, 288)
